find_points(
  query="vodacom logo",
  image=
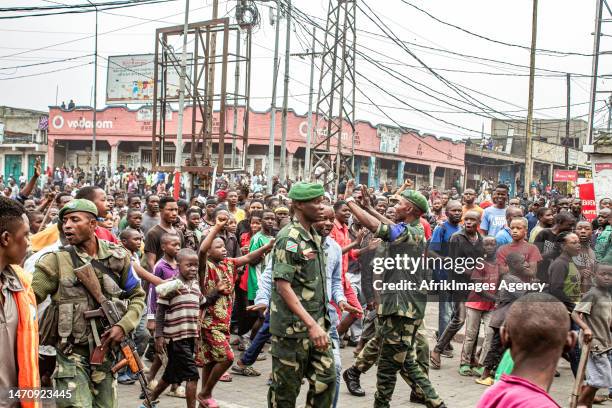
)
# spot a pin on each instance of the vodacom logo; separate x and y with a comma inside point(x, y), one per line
point(58, 123)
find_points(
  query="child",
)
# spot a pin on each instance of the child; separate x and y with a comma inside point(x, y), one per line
point(519, 271)
point(166, 268)
point(134, 222)
point(134, 219)
point(177, 324)
point(594, 316)
point(479, 308)
point(259, 239)
point(193, 234)
point(537, 331)
point(518, 232)
point(214, 348)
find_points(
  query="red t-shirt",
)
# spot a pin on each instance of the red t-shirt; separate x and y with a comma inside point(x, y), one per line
point(106, 235)
point(426, 227)
point(530, 251)
point(489, 274)
point(245, 240)
point(515, 392)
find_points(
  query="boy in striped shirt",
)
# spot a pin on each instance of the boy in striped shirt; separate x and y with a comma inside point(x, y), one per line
point(177, 324)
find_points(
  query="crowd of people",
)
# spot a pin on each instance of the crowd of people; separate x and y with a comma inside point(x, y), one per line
point(236, 268)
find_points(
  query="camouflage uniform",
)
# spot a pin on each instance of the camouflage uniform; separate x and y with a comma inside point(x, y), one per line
point(72, 336)
point(420, 353)
point(299, 258)
point(400, 313)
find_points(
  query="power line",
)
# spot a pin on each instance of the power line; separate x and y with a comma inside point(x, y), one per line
point(91, 36)
point(483, 37)
point(310, 20)
point(86, 9)
point(422, 111)
point(45, 63)
point(46, 72)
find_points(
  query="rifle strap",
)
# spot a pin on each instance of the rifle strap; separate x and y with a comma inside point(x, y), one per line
point(99, 266)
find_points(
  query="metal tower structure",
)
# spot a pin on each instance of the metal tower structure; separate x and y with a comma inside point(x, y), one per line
point(334, 139)
point(208, 47)
point(597, 35)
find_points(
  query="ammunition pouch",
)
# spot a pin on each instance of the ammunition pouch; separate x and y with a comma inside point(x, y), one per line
point(63, 324)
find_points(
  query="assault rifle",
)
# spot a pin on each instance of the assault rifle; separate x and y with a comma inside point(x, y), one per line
point(109, 316)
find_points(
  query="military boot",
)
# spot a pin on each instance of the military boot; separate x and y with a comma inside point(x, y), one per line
point(351, 378)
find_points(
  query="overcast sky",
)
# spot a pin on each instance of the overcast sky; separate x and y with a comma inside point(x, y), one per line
point(563, 25)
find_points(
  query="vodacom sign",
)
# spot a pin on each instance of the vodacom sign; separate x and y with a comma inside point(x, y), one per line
point(58, 122)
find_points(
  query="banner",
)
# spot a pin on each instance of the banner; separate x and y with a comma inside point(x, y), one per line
point(587, 196)
point(565, 175)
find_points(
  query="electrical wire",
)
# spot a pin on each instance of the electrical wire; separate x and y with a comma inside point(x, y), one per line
point(82, 11)
point(93, 35)
point(46, 63)
point(47, 72)
point(540, 50)
point(482, 113)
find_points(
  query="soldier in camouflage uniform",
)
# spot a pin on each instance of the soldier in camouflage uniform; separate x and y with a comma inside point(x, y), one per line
point(400, 312)
point(369, 356)
point(299, 323)
point(64, 323)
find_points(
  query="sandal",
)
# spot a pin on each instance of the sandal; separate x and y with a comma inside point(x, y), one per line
point(225, 378)
point(465, 371)
point(435, 364)
point(246, 371)
point(208, 403)
point(477, 371)
point(485, 381)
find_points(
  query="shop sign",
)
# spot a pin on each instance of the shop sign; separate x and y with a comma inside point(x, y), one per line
point(565, 175)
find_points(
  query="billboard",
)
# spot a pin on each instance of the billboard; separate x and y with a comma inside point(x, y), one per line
point(129, 79)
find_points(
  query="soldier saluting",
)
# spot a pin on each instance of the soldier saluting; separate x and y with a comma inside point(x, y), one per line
point(399, 312)
point(70, 332)
point(299, 322)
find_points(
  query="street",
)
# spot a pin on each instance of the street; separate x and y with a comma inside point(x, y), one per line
point(457, 391)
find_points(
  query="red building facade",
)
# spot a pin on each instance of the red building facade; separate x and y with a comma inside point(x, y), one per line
point(123, 137)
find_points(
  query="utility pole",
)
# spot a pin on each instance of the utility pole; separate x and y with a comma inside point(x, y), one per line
point(236, 90)
point(178, 156)
point(528, 147)
point(609, 103)
point(95, 102)
point(273, 102)
point(310, 96)
point(596, 41)
point(210, 91)
point(568, 119)
point(283, 151)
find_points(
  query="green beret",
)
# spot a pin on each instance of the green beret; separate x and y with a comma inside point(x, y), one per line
point(417, 199)
point(305, 191)
point(78, 205)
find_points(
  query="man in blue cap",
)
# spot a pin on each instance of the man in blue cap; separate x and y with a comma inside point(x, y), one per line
point(299, 322)
point(400, 311)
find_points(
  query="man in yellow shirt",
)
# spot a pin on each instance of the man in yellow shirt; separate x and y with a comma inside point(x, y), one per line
point(232, 206)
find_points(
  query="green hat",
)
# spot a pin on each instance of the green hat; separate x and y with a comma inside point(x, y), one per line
point(78, 205)
point(417, 199)
point(305, 191)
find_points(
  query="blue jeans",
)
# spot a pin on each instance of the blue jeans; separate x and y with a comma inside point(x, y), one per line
point(574, 354)
point(445, 312)
point(263, 335)
point(333, 333)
